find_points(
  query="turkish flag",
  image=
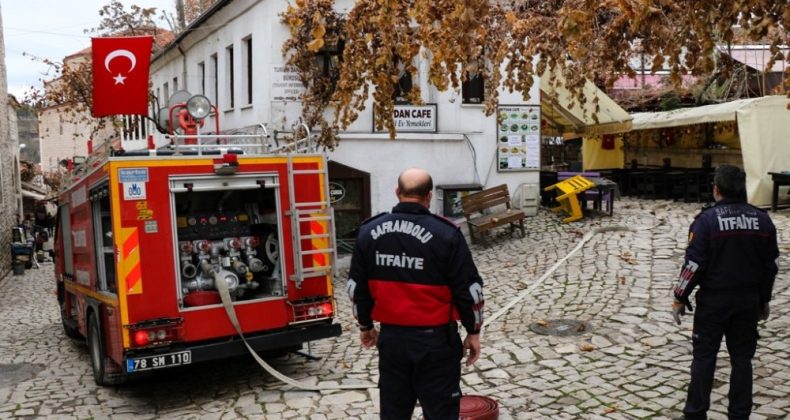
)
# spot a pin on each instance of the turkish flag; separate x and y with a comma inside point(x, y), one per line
point(120, 75)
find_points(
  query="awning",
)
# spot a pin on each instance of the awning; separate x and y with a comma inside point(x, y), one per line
point(688, 116)
point(571, 119)
point(762, 132)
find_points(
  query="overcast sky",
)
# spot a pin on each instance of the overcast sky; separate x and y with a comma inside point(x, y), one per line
point(50, 29)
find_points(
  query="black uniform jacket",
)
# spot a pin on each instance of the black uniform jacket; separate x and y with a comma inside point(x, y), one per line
point(413, 268)
point(732, 247)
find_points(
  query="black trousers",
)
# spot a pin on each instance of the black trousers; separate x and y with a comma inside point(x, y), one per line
point(733, 315)
point(420, 364)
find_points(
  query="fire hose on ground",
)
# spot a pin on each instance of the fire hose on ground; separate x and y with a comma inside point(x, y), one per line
point(228, 305)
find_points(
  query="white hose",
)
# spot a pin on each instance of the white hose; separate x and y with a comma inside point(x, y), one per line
point(526, 292)
point(224, 294)
point(228, 305)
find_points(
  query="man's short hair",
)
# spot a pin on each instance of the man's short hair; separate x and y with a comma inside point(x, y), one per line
point(418, 190)
point(731, 181)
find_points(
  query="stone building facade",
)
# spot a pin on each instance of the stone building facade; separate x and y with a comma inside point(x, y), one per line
point(9, 168)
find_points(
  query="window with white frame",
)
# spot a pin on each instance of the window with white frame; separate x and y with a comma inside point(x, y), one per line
point(246, 79)
point(230, 76)
point(473, 86)
point(213, 77)
point(473, 89)
point(202, 75)
point(328, 59)
point(403, 87)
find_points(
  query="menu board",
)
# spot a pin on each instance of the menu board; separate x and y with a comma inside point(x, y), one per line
point(518, 137)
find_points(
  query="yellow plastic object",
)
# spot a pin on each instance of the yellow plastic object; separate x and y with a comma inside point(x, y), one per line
point(568, 196)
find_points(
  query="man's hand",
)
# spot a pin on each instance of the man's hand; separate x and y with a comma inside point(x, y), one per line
point(765, 312)
point(369, 338)
point(679, 308)
point(472, 348)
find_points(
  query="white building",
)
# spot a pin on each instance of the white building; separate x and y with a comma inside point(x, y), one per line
point(232, 54)
point(60, 137)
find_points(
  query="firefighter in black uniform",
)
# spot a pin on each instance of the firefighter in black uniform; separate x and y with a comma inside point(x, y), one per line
point(413, 273)
point(731, 255)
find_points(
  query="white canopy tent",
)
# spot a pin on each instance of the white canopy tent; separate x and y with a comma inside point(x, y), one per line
point(763, 130)
point(571, 119)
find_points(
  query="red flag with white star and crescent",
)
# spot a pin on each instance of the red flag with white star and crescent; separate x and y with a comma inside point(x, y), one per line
point(120, 75)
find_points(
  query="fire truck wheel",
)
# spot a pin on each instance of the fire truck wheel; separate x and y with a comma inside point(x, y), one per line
point(99, 356)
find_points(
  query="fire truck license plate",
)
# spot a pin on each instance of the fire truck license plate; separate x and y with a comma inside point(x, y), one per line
point(159, 361)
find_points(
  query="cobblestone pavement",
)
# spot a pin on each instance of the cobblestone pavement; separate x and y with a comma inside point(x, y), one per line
point(632, 361)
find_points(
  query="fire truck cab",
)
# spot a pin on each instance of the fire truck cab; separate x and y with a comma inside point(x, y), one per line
point(143, 238)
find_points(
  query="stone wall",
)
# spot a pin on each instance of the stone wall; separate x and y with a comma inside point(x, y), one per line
point(9, 172)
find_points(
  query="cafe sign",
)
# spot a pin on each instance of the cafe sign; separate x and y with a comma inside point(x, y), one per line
point(412, 119)
point(336, 192)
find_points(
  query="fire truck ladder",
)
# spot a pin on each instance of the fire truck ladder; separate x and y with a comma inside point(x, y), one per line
point(313, 221)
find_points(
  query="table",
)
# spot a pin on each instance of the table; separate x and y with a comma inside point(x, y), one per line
point(604, 190)
point(780, 179)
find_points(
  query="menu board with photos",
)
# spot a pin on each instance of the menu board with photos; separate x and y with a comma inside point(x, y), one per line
point(518, 138)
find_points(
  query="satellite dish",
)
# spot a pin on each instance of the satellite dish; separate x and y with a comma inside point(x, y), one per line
point(179, 97)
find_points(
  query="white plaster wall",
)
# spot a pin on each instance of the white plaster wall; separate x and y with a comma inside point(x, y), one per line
point(448, 154)
point(59, 140)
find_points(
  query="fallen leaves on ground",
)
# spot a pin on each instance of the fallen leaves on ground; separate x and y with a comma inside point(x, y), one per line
point(627, 257)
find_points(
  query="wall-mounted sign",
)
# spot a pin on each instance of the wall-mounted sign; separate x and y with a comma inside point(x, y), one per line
point(286, 84)
point(412, 119)
point(518, 138)
point(336, 192)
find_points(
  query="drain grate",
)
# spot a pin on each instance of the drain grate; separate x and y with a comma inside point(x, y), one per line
point(560, 327)
point(11, 374)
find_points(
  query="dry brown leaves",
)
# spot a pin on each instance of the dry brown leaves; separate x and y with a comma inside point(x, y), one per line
point(579, 40)
point(627, 257)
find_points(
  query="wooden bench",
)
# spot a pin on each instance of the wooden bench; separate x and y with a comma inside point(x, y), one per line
point(483, 211)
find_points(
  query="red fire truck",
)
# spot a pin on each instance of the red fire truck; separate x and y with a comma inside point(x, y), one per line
point(144, 237)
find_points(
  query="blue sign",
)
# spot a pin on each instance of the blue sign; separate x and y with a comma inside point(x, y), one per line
point(133, 174)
